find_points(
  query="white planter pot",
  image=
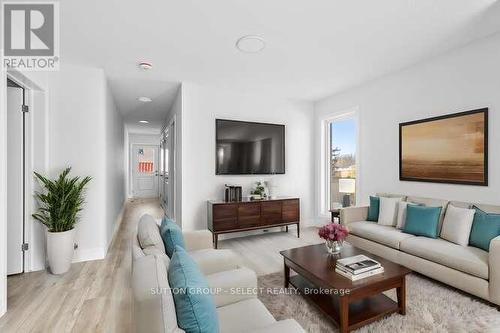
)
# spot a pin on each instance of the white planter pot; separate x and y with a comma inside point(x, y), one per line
point(60, 248)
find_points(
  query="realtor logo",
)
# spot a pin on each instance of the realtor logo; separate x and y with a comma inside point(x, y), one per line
point(30, 35)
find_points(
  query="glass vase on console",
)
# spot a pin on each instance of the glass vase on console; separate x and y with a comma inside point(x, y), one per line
point(334, 235)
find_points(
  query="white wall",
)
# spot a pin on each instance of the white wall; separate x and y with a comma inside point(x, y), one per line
point(115, 171)
point(175, 114)
point(200, 107)
point(464, 79)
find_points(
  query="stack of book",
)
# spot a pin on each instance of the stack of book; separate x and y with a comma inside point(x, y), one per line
point(358, 267)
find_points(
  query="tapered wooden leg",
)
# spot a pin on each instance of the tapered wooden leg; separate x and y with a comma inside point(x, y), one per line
point(401, 293)
point(344, 314)
point(298, 231)
point(286, 228)
point(287, 276)
point(216, 239)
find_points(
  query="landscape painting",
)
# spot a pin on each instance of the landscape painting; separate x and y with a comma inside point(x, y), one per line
point(446, 149)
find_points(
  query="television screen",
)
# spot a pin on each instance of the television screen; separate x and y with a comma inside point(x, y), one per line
point(244, 148)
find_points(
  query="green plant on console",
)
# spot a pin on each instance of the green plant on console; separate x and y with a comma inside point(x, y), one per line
point(259, 189)
point(61, 201)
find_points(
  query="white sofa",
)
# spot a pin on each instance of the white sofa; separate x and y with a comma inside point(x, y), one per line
point(154, 306)
point(464, 267)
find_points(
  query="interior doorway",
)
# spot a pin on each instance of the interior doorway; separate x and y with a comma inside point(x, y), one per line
point(145, 161)
point(17, 111)
point(167, 175)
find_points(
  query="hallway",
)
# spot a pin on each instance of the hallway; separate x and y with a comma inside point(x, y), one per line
point(94, 296)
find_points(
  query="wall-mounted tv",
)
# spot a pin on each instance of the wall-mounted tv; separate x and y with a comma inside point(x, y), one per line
point(248, 148)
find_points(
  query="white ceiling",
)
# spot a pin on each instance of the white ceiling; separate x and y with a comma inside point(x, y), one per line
point(314, 48)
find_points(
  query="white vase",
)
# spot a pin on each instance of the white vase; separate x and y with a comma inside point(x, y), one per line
point(60, 249)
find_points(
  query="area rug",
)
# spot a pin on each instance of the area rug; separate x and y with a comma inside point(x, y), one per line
point(431, 307)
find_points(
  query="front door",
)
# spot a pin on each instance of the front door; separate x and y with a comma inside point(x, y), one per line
point(145, 171)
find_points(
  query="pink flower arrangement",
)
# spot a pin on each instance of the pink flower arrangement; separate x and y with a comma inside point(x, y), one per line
point(333, 232)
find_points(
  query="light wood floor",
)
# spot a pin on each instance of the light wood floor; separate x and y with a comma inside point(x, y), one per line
point(95, 296)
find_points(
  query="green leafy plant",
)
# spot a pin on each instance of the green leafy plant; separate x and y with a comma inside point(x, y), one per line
point(61, 201)
point(259, 189)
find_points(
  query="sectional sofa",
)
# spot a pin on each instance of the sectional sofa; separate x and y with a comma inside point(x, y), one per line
point(154, 307)
point(468, 268)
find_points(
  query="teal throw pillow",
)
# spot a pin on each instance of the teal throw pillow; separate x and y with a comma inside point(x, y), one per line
point(194, 304)
point(171, 235)
point(485, 227)
point(373, 210)
point(422, 221)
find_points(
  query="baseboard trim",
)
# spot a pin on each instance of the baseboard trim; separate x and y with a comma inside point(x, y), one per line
point(96, 253)
point(118, 223)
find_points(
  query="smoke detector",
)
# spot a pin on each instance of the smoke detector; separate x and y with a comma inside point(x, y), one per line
point(145, 65)
point(250, 44)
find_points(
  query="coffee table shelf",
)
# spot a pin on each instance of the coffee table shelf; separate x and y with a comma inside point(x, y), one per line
point(361, 312)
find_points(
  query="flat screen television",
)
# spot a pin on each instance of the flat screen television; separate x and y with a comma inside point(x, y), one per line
point(248, 148)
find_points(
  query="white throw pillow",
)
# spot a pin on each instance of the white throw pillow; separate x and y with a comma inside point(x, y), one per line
point(388, 211)
point(403, 205)
point(457, 225)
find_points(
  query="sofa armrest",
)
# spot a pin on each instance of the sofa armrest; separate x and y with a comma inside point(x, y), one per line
point(233, 286)
point(197, 240)
point(282, 326)
point(353, 214)
point(494, 266)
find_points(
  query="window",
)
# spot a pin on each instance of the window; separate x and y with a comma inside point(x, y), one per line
point(341, 162)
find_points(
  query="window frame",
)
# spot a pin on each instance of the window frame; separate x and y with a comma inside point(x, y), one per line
point(325, 174)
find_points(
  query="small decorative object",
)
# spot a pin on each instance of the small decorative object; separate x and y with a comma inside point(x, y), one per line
point(259, 192)
point(272, 188)
point(348, 187)
point(60, 204)
point(334, 235)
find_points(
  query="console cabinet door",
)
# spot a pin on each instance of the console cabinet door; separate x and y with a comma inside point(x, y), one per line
point(271, 212)
point(225, 217)
point(249, 214)
point(291, 210)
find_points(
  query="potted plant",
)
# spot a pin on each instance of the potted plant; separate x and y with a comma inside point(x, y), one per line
point(60, 202)
point(334, 235)
point(259, 192)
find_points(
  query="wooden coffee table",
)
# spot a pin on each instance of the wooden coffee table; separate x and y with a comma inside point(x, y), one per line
point(351, 304)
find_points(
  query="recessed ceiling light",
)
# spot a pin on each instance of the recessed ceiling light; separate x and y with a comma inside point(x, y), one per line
point(250, 44)
point(144, 121)
point(145, 65)
point(144, 99)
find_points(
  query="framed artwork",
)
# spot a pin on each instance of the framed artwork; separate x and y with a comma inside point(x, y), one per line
point(446, 149)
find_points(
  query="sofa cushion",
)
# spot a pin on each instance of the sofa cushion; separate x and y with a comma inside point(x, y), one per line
point(422, 221)
point(486, 226)
point(457, 225)
point(148, 233)
point(386, 235)
point(225, 283)
point(212, 261)
point(244, 316)
point(154, 307)
point(401, 218)
point(466, 259)
point(283, 326)
point(431, 203)
point(194, 304)
point(373, 210)
point(388, 211)
point(171, 235)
